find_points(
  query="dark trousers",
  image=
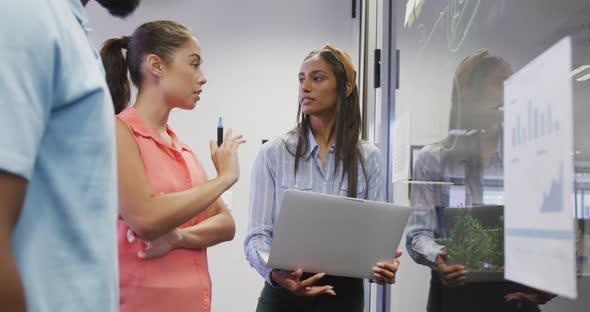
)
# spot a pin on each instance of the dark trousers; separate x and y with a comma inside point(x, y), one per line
point(476, 297)
point(349, 297)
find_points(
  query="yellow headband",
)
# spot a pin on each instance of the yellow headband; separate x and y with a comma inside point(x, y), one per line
point(346, 61)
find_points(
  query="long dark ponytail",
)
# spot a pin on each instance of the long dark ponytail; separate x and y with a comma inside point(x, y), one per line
point(116, 71)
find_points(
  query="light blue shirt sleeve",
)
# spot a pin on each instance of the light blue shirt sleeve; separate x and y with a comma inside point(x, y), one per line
point(25, 88)
point(423, 219)
point(262, 212)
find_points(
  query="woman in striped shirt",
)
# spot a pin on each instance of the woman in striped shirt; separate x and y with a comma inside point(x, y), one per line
point(322, 154)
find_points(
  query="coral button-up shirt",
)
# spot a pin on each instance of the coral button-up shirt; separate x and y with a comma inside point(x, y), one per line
point(178, 281)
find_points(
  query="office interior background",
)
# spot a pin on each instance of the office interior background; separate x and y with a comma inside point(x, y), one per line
point(252, 51)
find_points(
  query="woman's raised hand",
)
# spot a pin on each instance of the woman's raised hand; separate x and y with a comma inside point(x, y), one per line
point(225, 157)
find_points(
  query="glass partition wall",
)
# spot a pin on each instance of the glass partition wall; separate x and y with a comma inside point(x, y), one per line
point(454, 56)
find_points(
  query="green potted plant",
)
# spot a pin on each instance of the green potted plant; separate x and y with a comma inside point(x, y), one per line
point(480, 249)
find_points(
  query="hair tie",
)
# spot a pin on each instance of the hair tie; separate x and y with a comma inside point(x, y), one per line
point(125, 42)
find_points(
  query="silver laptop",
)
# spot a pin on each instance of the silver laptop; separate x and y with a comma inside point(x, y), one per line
point(334, 234)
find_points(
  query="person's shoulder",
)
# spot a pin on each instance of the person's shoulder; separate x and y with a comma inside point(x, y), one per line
point(30, 19)
point(433, 150)
point(430, 156)
point(31, 37)
point(276, 143)
point(368, 149)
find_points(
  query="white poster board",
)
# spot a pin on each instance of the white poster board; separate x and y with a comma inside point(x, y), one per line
point(538, 173)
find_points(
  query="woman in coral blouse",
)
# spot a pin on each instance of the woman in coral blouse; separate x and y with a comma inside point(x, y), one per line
point(165, 198)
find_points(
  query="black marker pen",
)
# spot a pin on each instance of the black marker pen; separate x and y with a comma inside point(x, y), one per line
point(219, 132)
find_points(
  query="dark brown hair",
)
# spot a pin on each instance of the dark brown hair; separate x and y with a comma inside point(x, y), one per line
point(347, 127)
point(473, 82)
point(161, 38)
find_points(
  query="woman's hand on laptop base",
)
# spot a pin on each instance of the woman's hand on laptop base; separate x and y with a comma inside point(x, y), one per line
point(291, 280)
point(384, 272)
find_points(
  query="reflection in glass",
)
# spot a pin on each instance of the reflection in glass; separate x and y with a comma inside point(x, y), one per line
point(457, 118)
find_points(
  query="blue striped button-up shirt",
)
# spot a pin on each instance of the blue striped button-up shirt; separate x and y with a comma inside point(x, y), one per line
point(273, 174)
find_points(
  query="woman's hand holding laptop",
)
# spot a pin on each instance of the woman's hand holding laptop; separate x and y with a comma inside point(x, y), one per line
point(385, 271)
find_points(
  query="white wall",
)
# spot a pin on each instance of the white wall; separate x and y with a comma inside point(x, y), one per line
point(252, 52)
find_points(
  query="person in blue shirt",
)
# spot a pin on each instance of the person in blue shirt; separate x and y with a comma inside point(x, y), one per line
point(323, 154)
point(58, 187)
point(472, 153)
